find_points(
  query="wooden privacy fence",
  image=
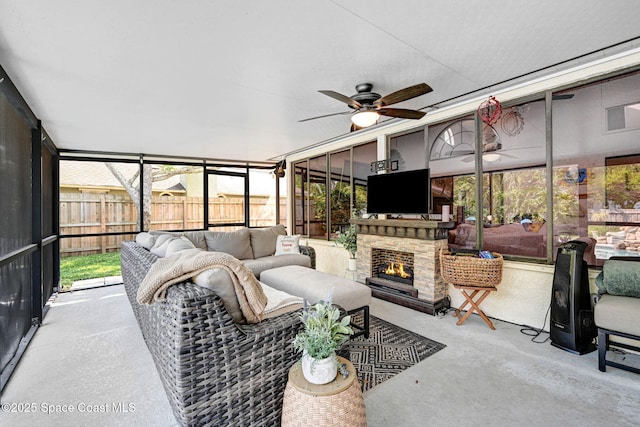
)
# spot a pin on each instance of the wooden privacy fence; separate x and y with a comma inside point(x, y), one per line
point(90, 213)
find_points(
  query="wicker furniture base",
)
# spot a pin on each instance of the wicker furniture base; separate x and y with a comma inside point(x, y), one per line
point(215, 372)
point(339, 403)
point(475, 303)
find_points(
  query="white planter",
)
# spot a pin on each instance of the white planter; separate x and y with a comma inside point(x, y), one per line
point(352, 264)
point(321, 371)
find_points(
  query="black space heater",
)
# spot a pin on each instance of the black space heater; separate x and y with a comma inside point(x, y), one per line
point(572, 327)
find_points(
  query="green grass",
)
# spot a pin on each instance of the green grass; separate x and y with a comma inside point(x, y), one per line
point(88, 267)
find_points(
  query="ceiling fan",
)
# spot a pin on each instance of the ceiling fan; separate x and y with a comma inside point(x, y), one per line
point(369, 106)
point(491, 147)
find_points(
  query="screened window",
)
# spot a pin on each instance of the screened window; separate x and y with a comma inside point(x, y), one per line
point(177, 198)
point(513, 216)
point(596, 165)
point(408, 151)
point(318, 203)
point(330, 189)
point(97, 197)
point(301, 198)
point(340, 191)
point(363, 156)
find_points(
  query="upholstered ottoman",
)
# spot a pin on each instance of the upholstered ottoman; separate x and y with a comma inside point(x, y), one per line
point(315, 286)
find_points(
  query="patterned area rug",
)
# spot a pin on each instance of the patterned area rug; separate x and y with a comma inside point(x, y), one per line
point(388, 351)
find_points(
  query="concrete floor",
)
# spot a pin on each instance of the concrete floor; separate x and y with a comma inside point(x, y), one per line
point(88, 365)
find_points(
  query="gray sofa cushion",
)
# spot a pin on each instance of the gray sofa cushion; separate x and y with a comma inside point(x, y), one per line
point(219, 281)
point(620, 278)
point(236, 243)
point(263, 240)
point(146, 240)
point(257, 266)
point(178, 244)
point(159, 248)
point(197, 238)
point(168, 244)
point(315, 286)
point(618, 313)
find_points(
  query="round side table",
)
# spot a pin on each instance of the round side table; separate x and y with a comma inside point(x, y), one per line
point(339, 403)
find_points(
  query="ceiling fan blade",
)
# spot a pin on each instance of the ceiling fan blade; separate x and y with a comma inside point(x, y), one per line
point(562, 96)
point(343, 98)
point(326, 115)
point(403, 94)
point(401, 112)
point(355, 127)
point(458, 153)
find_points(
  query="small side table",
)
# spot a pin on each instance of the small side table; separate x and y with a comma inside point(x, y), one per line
point(339, 403)
point(474, 302)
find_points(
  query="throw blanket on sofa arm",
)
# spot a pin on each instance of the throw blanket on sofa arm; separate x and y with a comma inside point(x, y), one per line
point(188, 263)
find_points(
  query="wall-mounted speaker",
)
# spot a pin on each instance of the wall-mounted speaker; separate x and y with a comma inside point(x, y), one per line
point(572, 327)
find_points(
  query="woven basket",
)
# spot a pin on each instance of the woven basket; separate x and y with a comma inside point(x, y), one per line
point(471, 271)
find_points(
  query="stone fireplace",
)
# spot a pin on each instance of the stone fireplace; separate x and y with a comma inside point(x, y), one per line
point(414, 243)
point(392, 265)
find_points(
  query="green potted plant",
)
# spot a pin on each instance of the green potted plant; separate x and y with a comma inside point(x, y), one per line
point(324, 333)
point(349, 241)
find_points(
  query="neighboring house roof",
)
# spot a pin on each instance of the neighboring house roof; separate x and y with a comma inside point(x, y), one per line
point(261, 183)
point(96, 174)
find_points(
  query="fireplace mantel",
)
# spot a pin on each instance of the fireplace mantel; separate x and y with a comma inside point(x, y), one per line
point(404, 228)
point(423, 239)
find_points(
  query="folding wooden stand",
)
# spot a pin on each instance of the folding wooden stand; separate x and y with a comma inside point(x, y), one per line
point(481, 293)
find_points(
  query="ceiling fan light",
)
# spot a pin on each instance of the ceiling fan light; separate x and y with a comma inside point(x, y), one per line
point(365, 118)
point(491, 157)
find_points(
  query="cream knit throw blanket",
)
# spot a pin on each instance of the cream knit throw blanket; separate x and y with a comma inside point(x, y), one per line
point(188, 263)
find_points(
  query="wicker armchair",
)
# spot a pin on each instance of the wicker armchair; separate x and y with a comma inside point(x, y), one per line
point(214, 371)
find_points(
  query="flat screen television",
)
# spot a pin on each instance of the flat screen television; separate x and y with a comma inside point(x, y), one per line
point(399, 193)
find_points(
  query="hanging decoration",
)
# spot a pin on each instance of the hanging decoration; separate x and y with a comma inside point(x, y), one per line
point(490, 111)
point(279, 169)
point(512, 122)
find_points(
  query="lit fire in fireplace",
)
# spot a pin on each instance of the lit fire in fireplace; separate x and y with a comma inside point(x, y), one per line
point(396, 269)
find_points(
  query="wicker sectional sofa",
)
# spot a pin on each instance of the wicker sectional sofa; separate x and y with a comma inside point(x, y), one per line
point(215, 370)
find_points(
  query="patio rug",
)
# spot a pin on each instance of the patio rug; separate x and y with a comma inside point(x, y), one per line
point(388, 351)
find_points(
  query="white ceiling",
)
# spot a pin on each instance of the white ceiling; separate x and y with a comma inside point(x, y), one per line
point(230, 79)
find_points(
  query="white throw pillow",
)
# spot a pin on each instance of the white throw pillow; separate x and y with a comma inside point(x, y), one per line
point(287, 245)
point(161, 245)
point(146, 240)
point(178, 245)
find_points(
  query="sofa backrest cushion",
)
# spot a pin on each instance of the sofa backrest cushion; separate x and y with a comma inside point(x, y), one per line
point(159, 248)
point(219, 281)
point(197, 238)
point(621, 278)
point(236, 243)
point(169, 246)
point(146, 240)
point(178, 244)
point(263, 240)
